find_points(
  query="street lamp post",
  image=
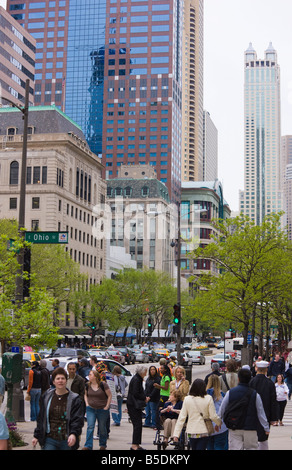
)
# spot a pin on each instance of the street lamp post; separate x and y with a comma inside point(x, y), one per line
point(21, 216)
point(178, 287)
point(17, 398)
point(178, 245)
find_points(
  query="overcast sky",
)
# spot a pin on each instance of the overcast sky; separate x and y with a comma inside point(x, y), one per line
point(229, 27)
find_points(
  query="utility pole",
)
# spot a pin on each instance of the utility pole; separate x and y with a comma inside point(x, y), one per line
point(178, 335)
point(18, 399)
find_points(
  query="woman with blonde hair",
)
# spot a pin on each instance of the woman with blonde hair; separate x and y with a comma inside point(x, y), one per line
point(169, 415)
point(218, 440)
point(97, 399)
point(180, 382)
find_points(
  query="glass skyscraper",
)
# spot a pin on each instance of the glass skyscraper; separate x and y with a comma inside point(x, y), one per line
point(262, 134)
point(114, 67)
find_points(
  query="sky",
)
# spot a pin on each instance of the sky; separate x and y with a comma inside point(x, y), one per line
point(229, 27)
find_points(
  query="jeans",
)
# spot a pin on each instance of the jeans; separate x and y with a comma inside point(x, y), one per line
point(101, 416)
point(35, 395)
point(53, 444)
point(199, 443)
point(218, 441)
point(151, 410)
point(118, 416)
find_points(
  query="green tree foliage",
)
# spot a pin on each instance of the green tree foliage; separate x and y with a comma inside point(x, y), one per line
point(254, 270)
point(130, 298)
point(28, 323)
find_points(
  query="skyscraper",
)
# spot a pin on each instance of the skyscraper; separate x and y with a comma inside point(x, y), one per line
point(17, 60)
point(192, 90)
point(262, 135)
point(47, 22)
point(210, 149)
point(115, 69)
point(286, 161)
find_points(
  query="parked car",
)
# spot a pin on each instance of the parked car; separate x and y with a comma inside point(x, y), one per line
point(220, 359)
point(186, 359)
point(110, 363)
point(141, 356)
point(31, 356)
point(153, 357)
point(197, 357)
point(99, 353)
point(117, 355)
point(220, 345)
point(63, 361)
point(128, 353)
point(72, 352)
point(45, 353)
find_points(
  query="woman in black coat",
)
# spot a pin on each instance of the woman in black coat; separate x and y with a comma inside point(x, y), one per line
point(61, 416)
point(136, 403)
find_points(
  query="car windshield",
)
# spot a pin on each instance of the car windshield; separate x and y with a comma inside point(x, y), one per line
point(65, 352)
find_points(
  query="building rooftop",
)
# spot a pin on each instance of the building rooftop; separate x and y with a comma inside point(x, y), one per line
point(44, 119)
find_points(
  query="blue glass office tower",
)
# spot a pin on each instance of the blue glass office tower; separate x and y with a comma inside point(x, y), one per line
point(85, 68)
point(114, 67)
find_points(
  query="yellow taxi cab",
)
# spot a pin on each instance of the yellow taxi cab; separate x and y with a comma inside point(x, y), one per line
point(30, 355)
point(160, 353)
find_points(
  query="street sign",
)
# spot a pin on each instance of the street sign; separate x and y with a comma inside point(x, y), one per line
point(46, 237)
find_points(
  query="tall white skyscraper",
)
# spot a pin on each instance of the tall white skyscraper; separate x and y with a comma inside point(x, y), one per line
point(286, 160)
point(210, 149)
point(262, 135)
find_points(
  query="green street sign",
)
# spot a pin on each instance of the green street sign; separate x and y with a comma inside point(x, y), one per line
point(46, 237)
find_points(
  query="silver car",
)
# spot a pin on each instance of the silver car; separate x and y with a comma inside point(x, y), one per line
point(141, 356)
point(197, 357)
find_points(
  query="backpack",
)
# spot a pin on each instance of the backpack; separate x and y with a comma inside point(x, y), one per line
point(236, 411)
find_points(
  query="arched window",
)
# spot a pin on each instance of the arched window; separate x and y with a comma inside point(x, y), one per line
point(14, 170)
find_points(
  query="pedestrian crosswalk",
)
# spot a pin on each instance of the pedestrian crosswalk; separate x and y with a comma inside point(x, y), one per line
point(287, 419)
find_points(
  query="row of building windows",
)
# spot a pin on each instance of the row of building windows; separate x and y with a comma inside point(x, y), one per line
point(34, 175)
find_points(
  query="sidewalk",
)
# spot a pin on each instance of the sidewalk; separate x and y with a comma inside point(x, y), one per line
point(120, 437)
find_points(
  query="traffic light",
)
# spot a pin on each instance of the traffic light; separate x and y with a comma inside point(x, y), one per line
point(176, 318)
point(195, 332)
point(26, 272)
point(232, 331)
point(92, 326)
point(149, 326)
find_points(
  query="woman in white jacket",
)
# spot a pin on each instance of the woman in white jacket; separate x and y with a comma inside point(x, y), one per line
point(197, 406)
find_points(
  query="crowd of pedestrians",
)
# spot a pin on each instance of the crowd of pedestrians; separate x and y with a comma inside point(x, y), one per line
point(233, 410)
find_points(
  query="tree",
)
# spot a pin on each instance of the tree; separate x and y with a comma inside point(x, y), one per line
point(254, 268)
point(56, 272)
point(28, 323)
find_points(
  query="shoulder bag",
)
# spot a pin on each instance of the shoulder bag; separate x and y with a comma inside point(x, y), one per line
point(208, 423)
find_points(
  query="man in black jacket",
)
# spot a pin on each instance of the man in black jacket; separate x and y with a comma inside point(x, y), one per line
point(266, 389)
point(136, 402)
